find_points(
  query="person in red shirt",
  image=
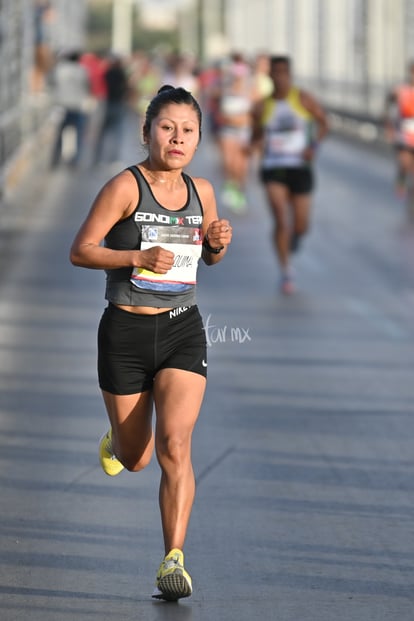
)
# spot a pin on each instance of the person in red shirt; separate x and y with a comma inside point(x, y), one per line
point(110, 137)
point(96, 65)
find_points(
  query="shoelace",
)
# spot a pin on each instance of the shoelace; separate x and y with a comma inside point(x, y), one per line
point(171, 562)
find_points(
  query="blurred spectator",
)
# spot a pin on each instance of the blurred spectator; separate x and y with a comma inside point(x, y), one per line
point(71, 87)
point(109, 142)
point(400, 131)
point(144, 82)
point(43, 57)
point(262, 82)
point(262, 88)
point(209, 78)
point(181, 72)
point(96, 65)
point(236, 97)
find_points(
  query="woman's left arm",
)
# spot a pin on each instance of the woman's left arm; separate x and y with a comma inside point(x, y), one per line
point(217, 232)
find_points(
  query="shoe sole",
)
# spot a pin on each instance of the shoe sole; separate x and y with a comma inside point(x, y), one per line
point(172, 587)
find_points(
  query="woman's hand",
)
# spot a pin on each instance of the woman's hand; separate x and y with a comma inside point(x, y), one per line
point(219, 233)
point(156, 259)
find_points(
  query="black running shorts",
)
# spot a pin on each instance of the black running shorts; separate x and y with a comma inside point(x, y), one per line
point(298, 180)
point(133, 348)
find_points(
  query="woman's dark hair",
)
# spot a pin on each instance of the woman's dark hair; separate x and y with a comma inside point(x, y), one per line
point(166, 95)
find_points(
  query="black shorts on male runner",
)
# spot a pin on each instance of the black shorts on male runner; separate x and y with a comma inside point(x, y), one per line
point(298, 180)
point(132, 348)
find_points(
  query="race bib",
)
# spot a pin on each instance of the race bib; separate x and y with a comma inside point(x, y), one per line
point(287, 142)
point(185, 243)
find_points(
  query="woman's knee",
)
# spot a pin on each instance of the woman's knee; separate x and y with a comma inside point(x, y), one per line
point(174, 449)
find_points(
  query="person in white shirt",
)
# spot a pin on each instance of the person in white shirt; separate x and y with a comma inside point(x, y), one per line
point(71, 86)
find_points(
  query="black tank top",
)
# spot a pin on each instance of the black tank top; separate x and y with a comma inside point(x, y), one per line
point(151, 224)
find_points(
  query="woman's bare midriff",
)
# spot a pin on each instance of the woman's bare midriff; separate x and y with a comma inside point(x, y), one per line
point(143, 310)
point(236, 120)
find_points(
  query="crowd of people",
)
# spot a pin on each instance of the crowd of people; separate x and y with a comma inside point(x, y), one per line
point(149, 226)
point(256, 116)
point(253, 112)
point(94, 91)
point(91, 91)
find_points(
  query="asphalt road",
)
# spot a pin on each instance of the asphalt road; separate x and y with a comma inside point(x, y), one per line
point(304, 449)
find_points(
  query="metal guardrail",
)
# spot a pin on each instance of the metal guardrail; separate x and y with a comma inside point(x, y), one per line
point(366, 129)
point(25, 134)
point(30, 32)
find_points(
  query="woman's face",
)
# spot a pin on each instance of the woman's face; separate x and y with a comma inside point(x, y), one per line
point(174, 136)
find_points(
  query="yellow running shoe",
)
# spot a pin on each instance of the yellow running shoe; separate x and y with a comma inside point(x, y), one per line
point(110, 464)
point(172, 581)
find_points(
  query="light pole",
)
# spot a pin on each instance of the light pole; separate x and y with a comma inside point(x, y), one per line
point(122, 27)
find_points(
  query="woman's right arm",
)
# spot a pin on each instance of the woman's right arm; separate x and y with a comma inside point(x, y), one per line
point(115, 202)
